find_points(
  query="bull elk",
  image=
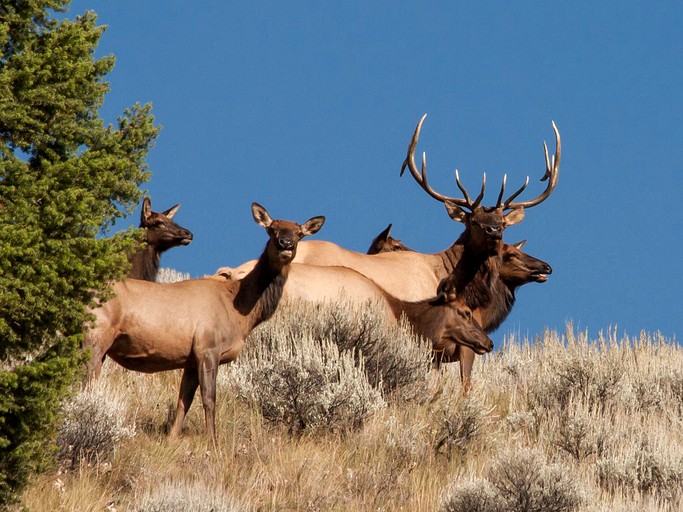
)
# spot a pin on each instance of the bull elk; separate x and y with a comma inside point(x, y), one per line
point(195, 325)
point(516, 269)
point(161, 233)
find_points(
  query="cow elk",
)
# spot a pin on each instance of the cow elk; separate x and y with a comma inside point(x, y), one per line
point(161, 233)
point(195, 325)
point(384, 242)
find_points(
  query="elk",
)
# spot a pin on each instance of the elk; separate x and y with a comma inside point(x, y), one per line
point(516, 269)
point(161, 234)
point(195, 325)
point(384, 242)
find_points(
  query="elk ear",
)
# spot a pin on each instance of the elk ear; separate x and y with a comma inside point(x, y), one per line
point(514, 217)
point(225, 273)
point(454, 211)
point(261, 215)
point(384, 235)
point(146, 211)
point(171, 211)
point(313, 225)
point(519, 245)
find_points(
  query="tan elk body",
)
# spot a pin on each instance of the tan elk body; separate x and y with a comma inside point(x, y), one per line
point(198, 324)
point(446, 323)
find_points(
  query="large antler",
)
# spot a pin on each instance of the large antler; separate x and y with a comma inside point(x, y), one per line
point(421, 177)
point(552, 173)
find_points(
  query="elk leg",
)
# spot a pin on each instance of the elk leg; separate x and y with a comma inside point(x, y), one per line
point(188, 386)
point(99, 341)
point(466, 363)
point(208, 370)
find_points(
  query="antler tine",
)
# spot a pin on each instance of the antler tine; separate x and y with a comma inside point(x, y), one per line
point(552, 174)
point(462, 189)
point(410, 158)
point(481, 194)
point(468, 202)
point(506, 204)
point(421, 176)
point(502, 191)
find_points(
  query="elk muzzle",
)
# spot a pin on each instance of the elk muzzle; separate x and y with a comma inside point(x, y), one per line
point(186, 237)
point(541, 275)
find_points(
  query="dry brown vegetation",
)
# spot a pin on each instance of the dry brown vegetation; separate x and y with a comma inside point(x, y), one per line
point(309, 422)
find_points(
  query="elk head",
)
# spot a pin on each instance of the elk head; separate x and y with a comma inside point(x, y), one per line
point(468, 332)
point(284, 235)
point(484, 225)
point(460, 328)
point(384, 242)
point(519, 268)
point(160, 230)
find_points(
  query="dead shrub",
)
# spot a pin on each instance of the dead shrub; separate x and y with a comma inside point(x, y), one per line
point(461, 423)
point(395, 361)
point(182, 496)
point(305, 384)
point(94, 422)
point(471, 496)
point(524, 482)
point(647, 469)
point(580, 430)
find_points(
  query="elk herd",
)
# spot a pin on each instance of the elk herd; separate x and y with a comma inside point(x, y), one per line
point(454, 298)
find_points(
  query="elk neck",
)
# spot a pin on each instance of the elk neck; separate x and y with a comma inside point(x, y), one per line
point(502, 298)
point(261, 289)
point(476, 273)
point(145, 263)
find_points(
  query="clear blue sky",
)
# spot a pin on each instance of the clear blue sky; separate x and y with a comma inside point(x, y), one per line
point(308, 107)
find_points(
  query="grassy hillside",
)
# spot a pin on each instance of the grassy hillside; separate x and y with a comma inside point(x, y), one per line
point(328, 412)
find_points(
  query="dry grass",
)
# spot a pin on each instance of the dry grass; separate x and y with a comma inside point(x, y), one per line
point(557, 424)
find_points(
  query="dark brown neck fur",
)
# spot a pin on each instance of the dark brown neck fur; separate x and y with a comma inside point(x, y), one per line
point(502, 299)
point(145, 263)
point(476, 279)
point(261, 290)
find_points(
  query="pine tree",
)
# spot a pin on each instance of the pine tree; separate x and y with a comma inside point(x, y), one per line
point(65, 177)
